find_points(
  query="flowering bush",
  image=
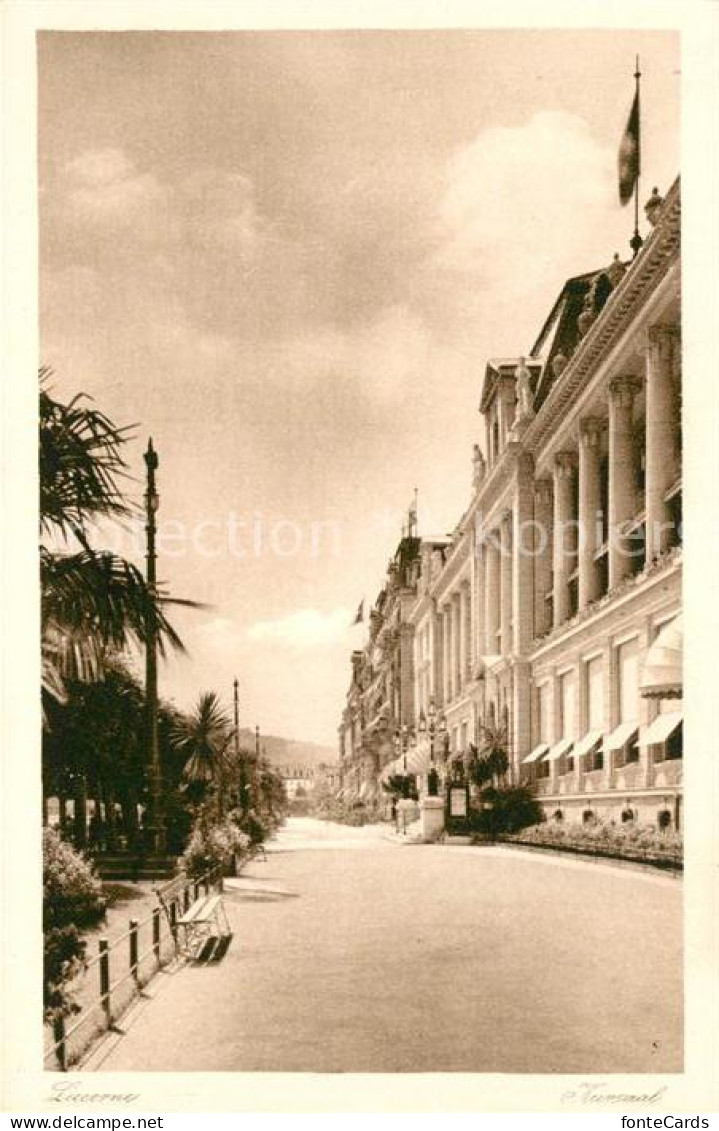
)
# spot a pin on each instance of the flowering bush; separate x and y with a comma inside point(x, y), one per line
point(72, 897)
point(71, 892)
point(631, 840)
point(213, 846)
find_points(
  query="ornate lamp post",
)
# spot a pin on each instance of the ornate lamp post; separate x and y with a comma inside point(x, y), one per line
point(156, 827)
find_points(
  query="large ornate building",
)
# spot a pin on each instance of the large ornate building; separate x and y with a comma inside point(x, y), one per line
point(545, 614)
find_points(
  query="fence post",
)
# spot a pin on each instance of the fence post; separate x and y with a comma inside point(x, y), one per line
point(133, 950)
point(105, 981)
point(156, 933)
point(58, 1030)
point(173, 919)
point(187, 898)
point(197, 889)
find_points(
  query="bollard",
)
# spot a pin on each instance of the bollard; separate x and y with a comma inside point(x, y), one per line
point(105, 981)
point(156, 934)
point(133, 951)
point(58, 1030)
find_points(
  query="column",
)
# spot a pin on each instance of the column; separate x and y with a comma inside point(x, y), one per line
point(505, 584)
point(456, 644)
point(507, 402)
point(491, 591)
point(563, 534)
point(478, 644)
point(447, 638)
point(622, 485)
point(436, 648)
point(467, 630)
point(662, 457)
point(523, 546)
point(589, 505)
point(543, 506)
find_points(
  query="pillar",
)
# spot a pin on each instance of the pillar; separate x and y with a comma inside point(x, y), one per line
point(662, 457)
point(523, 549)
point(456, 643)
point(543, 507)
point(467, 661)
point(447, 637)
point(622, 485)
point(589, 506)
point(564, 534)
point(491, 591)
point(505, 584)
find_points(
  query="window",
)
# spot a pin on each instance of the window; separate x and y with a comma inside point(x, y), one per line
point(628, 681)
point(594, 688)
point(543, 728)
point(674, 746)
point(664, 819)
point(567, 705)
point(631, 752)
point(595, 760)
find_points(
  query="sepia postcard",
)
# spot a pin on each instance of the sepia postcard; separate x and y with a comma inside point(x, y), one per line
point(360, 480)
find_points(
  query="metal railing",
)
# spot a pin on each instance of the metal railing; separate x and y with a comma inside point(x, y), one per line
point(148, 945)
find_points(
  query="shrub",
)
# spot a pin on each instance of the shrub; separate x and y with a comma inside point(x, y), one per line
point(213, 846)
point(63, 958)
point(628, 839)
point(510, 810)
point(71, 892)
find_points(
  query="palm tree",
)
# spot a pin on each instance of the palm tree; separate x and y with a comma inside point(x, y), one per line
point(203, 738)
point(94, 603)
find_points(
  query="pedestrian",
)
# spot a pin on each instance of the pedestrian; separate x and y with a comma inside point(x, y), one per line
point(394, 814)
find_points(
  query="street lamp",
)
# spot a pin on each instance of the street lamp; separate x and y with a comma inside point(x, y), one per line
point(156, 828)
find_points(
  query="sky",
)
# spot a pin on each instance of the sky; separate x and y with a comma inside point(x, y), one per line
point(287, 256)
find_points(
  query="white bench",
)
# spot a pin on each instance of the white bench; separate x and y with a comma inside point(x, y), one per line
point(202, 932)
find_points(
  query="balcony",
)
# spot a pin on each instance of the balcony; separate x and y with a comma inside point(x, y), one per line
point(668, 773)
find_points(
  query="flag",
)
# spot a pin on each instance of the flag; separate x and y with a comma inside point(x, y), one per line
point(359, 615)
point(629, 154)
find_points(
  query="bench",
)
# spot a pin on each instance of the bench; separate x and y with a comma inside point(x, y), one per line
point(201, 929)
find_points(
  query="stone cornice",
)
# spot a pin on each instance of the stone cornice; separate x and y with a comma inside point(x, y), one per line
point(621, 307)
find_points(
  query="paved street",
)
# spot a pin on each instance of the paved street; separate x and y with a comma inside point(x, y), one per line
point(354, 953)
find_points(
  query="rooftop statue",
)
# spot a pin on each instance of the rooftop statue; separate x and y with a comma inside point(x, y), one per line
point(525, 397)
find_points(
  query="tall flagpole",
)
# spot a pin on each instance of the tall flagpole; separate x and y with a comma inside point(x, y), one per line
point(636, 241)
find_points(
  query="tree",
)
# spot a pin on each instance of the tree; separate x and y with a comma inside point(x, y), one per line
point(94, 603)
point(203, 738)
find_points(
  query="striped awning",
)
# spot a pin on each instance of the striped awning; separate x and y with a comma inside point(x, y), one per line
point(662, 673)
point(620, 736)
point(591, 739)
point(535, 754)
point(661, 729)
point(562, 747)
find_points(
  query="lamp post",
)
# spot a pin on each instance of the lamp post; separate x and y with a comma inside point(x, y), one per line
point(156, 827)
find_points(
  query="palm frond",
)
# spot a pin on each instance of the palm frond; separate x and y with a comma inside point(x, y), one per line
point(80, 463)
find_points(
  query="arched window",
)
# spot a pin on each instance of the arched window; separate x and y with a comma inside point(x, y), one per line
point(664, 819)
point(627, 815)
point(558, 815)
point(588, 817)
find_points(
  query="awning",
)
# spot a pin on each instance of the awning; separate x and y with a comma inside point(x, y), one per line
point(419, 760)
point(620, 736)
point(661, 729)
point(536, 753)
point(662, 673)
point(587, 743)
point(562, 747)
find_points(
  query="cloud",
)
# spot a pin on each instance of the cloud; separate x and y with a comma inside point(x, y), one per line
point(519, 202)
point(105, 184)
point(305, 628)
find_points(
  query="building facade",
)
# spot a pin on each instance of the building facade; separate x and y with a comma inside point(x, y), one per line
point(540, 617)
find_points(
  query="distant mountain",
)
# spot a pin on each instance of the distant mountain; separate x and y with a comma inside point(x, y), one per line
point(289, 751)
